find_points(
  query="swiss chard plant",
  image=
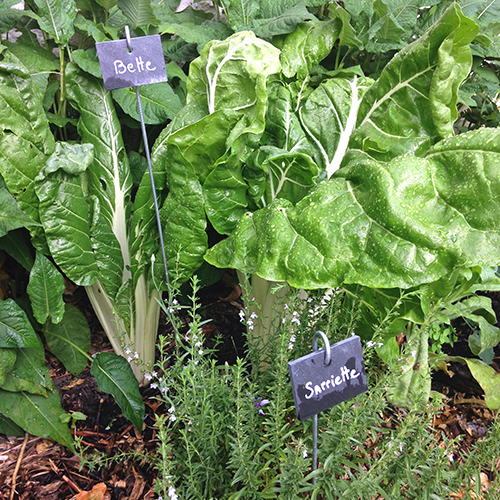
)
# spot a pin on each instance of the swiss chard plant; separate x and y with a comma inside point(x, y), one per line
point(326, 178)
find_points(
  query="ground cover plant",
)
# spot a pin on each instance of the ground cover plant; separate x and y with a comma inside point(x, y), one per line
point(306, 144)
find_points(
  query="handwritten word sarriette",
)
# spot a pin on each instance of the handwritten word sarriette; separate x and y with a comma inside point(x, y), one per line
point(331, 383)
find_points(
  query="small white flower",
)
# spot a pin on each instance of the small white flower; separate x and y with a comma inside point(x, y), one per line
point(175, 302)
point(451, 457)
point(129, 359)
point(128, 351)
point(154, 374)
point(154, 386)
point(283, 320)
point(253, 315)
point(242, 315)
point(200, 352)
point(199, 343)
point(304, 454)
point(136, 355)
point(370, 343)
point(171, 409)
point(413, 353)
point(172, 494)
point(401, 447)
point(172, 418)
point(164, 390)
point(285, 307)
point(148, 376)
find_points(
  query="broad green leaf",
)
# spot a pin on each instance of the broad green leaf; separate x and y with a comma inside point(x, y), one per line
point(32, 55)
point(69, 340)
point(26, 140)
point(37, 415)
point(138, 12)
point(15, 244)
point(232, 75)
point(276, 173)
point(9, 19)
point(281, 24)
point(225, 191)
point(88, 61)
point(55, 17)
point(159, 102)
point(71, 158)
point(9, 427)
point(488, 379)
point(7, 361)
point(45, 288)
point(18, 384)
point(30, 366)
point(329, 118)
point(364, 228)
point(199, 34)
point(11, 216)
point(64, 213)
point(114, 376)
point(307, 46)
point(413, 103)
point(15, 328)
point(109, 179)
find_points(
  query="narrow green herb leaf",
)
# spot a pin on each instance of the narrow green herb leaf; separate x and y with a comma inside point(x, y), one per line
point(114, 376)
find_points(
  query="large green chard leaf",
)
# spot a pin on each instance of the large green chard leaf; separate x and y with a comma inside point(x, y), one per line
point(109, 178)
point(56, 18)
point(413, 103)
point(11, 216)
point(113, 375)
point(15, 328)
point(308, 45)
point(64, 212)
point(382, 225)
point(25, 137)
point(232, 75)
point(329, 119)
point(227, 83)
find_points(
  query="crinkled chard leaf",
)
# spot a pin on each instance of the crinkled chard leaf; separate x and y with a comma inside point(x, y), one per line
point(364, 229)
point(109, 179)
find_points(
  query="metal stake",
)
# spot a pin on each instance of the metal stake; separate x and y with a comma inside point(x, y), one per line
point(315, 418)
point(148, 158)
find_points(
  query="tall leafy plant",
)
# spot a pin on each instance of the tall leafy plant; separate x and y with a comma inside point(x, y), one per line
point(344, 179)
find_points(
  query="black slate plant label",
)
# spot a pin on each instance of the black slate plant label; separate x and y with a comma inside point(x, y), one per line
point(121, 68)
point(317, 387)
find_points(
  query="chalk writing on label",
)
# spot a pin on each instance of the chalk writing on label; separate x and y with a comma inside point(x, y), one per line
point(317, 387)
point(141, 64)
point(138, 65)
point(330, 383)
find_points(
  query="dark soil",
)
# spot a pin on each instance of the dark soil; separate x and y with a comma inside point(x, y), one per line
point(40, 468)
